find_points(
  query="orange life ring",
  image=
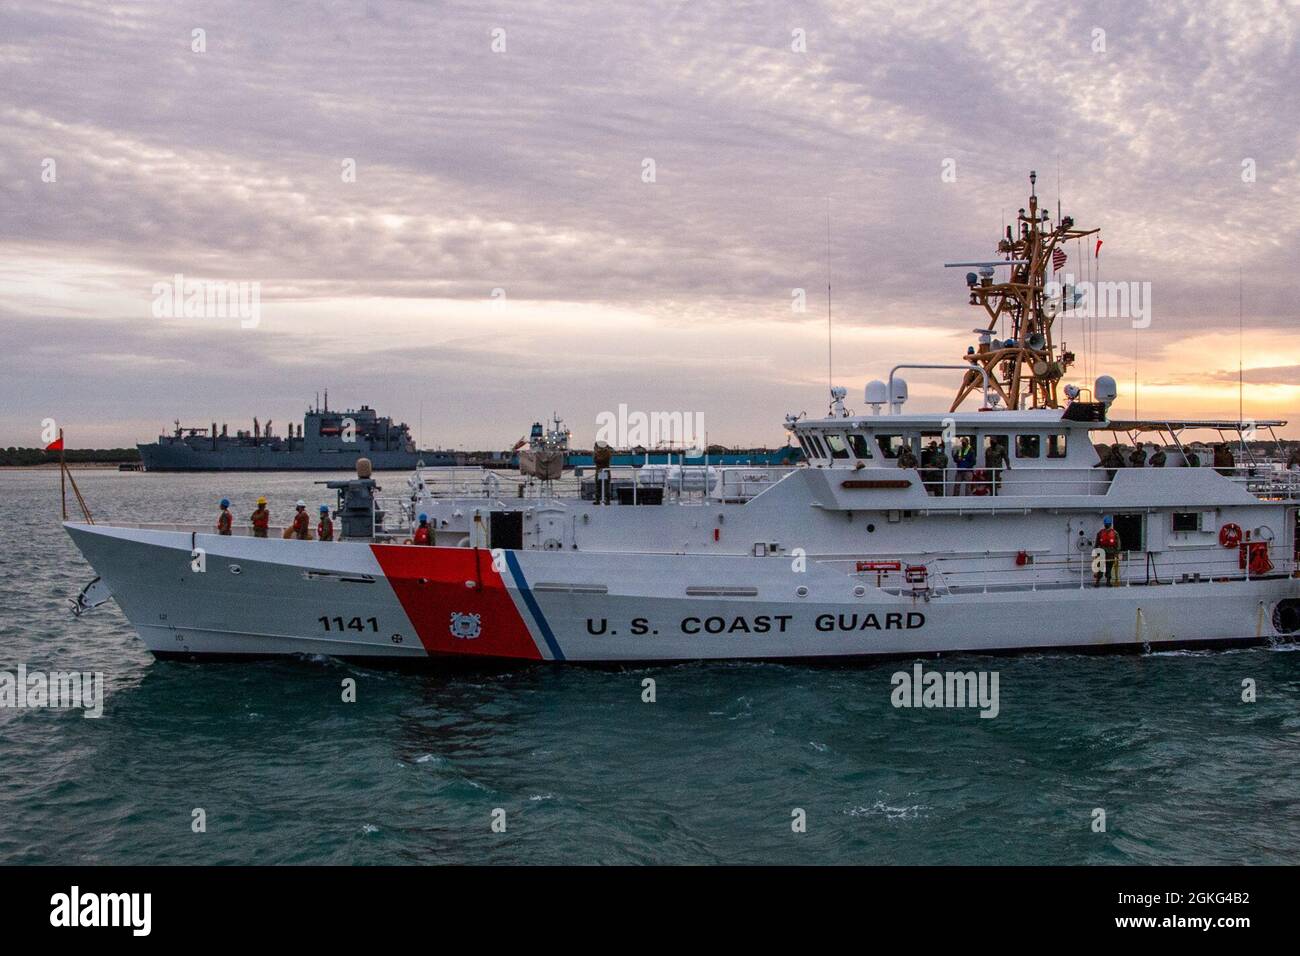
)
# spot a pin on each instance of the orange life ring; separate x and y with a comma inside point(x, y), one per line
point(1230, 535)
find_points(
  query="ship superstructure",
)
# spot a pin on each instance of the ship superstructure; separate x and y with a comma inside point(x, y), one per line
point(901, 533)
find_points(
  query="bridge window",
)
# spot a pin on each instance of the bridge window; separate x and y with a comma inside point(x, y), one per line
point(1186, 521)
point(1029, 446)
point(1002, 441)
point(818, 450)
point(859, 445)
point(1056, 446)
point(837, 446)
point(932, 438)
point(889, 445)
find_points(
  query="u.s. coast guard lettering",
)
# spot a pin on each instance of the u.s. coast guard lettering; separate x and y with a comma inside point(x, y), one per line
point(766, 624)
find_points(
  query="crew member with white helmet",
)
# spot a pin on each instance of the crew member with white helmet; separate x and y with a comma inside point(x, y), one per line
point(301, 522)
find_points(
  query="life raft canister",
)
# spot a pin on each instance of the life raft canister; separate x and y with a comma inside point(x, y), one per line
point(1230, 535)
point(1253, 556)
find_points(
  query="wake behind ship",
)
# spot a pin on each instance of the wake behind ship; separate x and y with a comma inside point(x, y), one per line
point(325, 441)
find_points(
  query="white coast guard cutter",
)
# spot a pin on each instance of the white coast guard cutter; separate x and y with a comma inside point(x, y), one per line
point(847, 555)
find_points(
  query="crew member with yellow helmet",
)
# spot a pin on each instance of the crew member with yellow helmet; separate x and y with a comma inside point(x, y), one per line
point(261, 518)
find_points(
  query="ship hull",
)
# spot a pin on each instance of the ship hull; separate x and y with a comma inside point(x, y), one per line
point(405, 604)
point(182, 457)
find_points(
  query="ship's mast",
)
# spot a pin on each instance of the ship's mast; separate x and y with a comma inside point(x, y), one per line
point(1025, 369)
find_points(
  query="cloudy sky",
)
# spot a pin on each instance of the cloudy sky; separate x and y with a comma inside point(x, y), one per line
point(133, 149)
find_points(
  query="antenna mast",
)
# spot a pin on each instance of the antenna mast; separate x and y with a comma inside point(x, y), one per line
point(1026, 369)
point(830, 382)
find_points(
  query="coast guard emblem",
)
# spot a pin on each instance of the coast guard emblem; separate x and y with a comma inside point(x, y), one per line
point(464, 625)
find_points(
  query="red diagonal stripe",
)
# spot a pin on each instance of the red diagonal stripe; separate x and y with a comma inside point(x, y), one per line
point(431, 584)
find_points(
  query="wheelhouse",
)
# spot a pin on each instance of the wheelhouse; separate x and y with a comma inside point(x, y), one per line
point(1031, 439)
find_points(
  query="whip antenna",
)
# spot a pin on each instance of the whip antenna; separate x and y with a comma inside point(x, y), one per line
point(830, 383)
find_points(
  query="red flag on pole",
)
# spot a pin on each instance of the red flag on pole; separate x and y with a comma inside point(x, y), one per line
point(1096, 253)
point(57, 444)
point(1058, 259)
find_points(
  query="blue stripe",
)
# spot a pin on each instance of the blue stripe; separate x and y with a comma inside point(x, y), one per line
point(517, 573)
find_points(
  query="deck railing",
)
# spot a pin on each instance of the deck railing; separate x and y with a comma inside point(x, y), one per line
point(625, 483)
point(1010, 570)
point(237, 531)
point(1270, 482)
point(1025, 481)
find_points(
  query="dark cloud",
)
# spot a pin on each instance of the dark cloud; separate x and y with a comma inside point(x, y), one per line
point(1277, 375)
point(522, 170)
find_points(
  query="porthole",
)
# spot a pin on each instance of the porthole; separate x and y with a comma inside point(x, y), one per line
point(235, 569)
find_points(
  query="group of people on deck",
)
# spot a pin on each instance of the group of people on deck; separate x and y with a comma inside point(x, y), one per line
point(260, 521)
point(967, 479)
point(300, 528)
point(958, 473)
point(1119, 456)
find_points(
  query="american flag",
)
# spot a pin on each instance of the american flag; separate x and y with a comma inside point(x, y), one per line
point(1058, 259)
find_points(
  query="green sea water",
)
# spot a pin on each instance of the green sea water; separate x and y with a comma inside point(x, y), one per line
point(582, 770)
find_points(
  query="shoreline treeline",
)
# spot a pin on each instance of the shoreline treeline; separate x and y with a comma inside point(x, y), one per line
point(39, 456)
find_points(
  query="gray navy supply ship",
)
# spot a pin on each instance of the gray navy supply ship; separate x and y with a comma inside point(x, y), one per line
point(325, 441)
